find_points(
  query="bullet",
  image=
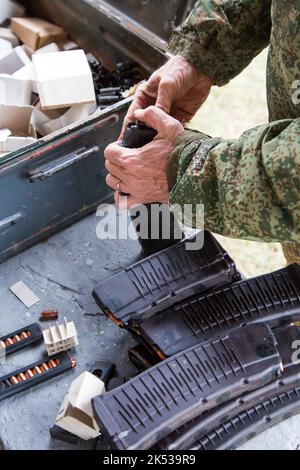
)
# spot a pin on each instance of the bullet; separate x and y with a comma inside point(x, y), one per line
point(14, 380)
point(29, 374)
point(49, 315)
point(16, 339)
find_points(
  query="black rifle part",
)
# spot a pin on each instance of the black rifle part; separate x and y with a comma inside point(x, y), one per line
point(273, 298)
point(35, 374)
point(21, 339)
point(114, 82)
point(138, 135)
point(160, 281)
point(152, 405)
point(116, 382)
point(141, 358)
point(186, 436)
point(60, 434)
point(105, 371)
point(252, 422)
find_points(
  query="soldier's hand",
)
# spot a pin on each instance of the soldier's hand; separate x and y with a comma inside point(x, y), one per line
point(142, 173)
point(177, 88)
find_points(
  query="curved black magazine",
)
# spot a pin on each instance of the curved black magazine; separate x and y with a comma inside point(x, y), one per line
point(252, 422)
point(186, 436)
point(163, 279)
point(152, 405)
point(273, 298)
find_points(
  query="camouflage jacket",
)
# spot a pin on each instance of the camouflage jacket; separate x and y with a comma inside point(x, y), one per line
point(250, 186)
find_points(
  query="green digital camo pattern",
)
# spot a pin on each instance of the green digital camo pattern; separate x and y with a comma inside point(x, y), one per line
point(222, 37)
point(250, 186)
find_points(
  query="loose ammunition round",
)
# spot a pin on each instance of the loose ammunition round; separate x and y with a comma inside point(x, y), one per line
point(49, 315)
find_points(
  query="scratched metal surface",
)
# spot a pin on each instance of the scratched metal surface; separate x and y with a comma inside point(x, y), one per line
point(35, 210)
point(62, 272)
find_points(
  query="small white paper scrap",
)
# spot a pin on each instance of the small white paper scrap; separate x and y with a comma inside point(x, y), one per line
point(24, 294)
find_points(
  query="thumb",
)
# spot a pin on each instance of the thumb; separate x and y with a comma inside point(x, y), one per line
point(159, 120)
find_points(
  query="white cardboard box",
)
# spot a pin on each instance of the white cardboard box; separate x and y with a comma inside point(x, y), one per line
point(27, 73)
point(16, 129)
point(69, 46)
point(15, 91)
point(8, 35)
point(14, 143)
point(5, 47)
point(14, 61)
point(10, 8)
point(63, 79)
point(76, 413)
point(52, 47)
point(45, 124)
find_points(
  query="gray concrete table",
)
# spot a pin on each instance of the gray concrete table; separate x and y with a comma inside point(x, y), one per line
point(62, 272)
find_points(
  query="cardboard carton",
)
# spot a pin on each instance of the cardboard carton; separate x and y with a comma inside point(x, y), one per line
point(14, 61)
point(37, 33)
point(52, 47)
point(10, 8)
point(16, 129)
point(27, 73)
point(8, 35)
point(28, 51)
point(69, 46)
point(63, 79)
point(46, 123)
point(15, 91)
point(13, 143)
point(76, 413)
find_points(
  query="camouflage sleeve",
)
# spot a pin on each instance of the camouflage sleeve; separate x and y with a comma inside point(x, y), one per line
point(221, 37)
point(250, 187)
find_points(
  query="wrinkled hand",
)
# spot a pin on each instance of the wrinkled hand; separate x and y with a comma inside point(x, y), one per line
point(177, 88)
point(142, 173)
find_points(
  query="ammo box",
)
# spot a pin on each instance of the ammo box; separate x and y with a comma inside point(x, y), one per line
point(59, 179)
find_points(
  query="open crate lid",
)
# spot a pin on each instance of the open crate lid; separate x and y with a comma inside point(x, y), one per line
point(140, 29)
point(156, 17)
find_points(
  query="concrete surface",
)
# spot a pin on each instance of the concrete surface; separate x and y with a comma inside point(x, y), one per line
point(62, 272)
